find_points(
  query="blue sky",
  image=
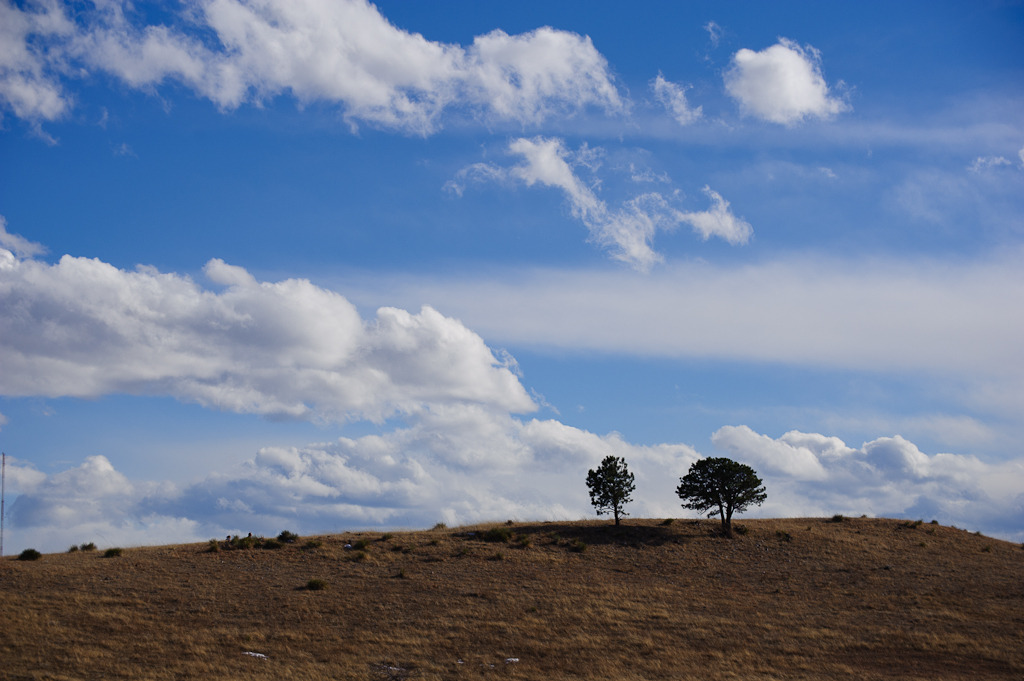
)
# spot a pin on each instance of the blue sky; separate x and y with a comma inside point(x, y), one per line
point(321, 265)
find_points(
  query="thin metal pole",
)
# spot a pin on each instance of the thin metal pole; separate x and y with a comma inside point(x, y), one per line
point(3, 489)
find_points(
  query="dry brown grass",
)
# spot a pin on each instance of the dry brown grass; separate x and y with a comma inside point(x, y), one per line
point(791, 599)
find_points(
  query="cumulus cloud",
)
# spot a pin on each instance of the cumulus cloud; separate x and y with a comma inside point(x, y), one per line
point(343, 52)
point(627, 232)
point(816, 475)
point(782, 84)
point(673, 97)
point(84, 328)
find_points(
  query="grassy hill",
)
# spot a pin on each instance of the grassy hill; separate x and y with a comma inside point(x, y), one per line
point(789, 599)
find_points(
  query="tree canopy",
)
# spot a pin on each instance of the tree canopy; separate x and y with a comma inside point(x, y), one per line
point(722, 486)
point(611, 486)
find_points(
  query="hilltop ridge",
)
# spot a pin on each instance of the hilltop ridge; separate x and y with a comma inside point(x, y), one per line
point(787, 599)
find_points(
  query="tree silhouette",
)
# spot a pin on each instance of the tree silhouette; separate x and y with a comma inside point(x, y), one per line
point(611, 485)
point(722, 484)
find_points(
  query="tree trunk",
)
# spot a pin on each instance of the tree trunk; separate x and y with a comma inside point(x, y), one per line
point(616, 512)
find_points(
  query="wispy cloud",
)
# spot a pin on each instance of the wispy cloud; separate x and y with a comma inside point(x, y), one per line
point(912, 317)
point(673, 98)
point(19, 245)
point(628, 232)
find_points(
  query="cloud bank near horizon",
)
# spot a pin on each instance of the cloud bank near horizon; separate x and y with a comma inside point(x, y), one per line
point(463, 466)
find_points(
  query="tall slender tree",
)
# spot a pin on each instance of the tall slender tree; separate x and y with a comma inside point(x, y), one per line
point(611, 486)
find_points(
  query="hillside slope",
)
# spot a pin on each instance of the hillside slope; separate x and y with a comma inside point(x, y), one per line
point(790, 599)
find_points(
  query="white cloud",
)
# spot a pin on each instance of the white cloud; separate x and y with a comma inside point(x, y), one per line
point(673, 97)
point(796, 459)
point(454, 464)
point(782, 84)
point(815, 475)
point(467, 464)
point(20, 246)
point(84, 328)
point(627, 233)
point(985, 162)
point(885, 314)
point(342, 52)
point(29, 72)
point(714, 33)
point(719, 221)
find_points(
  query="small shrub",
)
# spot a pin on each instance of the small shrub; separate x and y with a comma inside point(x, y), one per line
point(316, 585)
point(463, 551)
point(837, 518)
point(358, 556)
point(213, 547)
point(360, 545)
point(497, 556)
point(934, 522)
point(88, 547)
point(112, 553)
point(287, 537)
point(312, 544)
point(270, 544)
point(578, 546)
point(439, 526)
point(386, 536)
point(73, 549)
point(667, 521)
point(523, 541)
point(497, 534)
point(433, 542)
point(29, 554)
point(741, 530)
point(401, 574)
point(784, 536)
point(987, 548)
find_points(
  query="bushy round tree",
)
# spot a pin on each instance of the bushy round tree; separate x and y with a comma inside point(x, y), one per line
point(611, 486)
point(722, 486)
